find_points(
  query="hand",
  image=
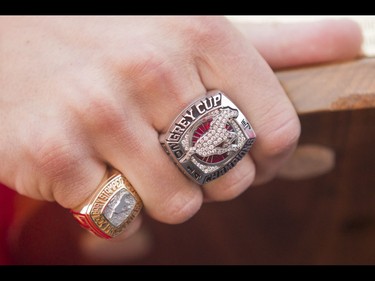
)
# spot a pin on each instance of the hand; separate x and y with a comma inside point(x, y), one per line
point(79, 93)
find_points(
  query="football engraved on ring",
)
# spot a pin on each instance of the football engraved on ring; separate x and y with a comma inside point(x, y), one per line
point(208, 138)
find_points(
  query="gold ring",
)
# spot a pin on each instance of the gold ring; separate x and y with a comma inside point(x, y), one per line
point(112, 208)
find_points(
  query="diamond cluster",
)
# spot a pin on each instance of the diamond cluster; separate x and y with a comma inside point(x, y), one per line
point(217, 140)
point(205, 168)
point(207, 144)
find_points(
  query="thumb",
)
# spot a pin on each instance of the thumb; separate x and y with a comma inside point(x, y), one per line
point(294, 44)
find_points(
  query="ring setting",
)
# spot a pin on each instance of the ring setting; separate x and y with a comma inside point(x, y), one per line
point(208, 138)
point(111, 209)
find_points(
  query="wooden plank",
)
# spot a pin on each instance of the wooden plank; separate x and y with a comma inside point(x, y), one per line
point(344, 86)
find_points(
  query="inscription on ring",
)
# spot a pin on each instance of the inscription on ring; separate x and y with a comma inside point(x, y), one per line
point(209, 138)
point(191, 114)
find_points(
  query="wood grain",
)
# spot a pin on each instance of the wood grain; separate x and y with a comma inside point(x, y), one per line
point(344, 86)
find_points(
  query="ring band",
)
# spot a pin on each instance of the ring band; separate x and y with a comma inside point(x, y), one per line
point(114, 206)
point(208, 138)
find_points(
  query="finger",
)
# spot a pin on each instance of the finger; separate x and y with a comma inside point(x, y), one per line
point(130, 230)
point(132, 146)
point(65, 167)
point(295, 44)
point(248, 81)
point(233, 183)
point(105, 251)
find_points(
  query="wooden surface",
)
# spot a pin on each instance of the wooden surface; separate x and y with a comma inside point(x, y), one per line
point(340, 86)
point(327, 219)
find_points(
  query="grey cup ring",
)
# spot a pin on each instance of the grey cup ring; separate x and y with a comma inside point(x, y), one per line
point(208, 138)
point(114, 205)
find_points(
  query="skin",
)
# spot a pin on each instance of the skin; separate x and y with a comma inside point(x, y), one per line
point(80, 93)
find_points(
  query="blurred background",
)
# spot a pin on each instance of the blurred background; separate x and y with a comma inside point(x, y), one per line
point(320, 210)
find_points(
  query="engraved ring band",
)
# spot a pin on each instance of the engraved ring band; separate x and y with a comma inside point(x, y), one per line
point(112, 208)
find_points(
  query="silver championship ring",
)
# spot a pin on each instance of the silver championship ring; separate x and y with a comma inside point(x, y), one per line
point(208, 138)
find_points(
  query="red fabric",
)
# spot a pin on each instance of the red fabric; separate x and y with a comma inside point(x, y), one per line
point(6, 215)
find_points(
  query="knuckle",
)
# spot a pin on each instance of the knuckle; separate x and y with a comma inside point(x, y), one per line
point(102, 113)
point(148, 67)
point(152, 72)
point(55, 158)
point(205, 31)
point(65, 170)
point(104, 117)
